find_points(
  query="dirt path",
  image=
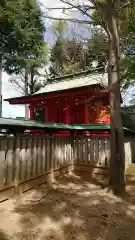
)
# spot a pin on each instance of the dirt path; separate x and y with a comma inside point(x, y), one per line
point(75, 209)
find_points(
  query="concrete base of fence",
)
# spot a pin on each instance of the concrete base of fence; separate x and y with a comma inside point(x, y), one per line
point(48, 178)
point(92, 170)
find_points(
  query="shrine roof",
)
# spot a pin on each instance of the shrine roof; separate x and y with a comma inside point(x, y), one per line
point(68, 82)
point(74, 82)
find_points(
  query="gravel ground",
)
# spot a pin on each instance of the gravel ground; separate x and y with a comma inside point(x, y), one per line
point(76, 208)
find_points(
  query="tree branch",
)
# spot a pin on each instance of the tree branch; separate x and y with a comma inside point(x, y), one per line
point(70, 20)
point(68, 8)
point(79, 7)
point(16, 84)
point(125, 5)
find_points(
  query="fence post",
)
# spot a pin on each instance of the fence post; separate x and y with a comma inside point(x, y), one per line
point(2, 162)
point(72, 151)
point(51, 150)
point(16, 164)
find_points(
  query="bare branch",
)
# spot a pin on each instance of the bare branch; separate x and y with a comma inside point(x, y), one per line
point(69, 8)
point(79, 7)
point(125, 5)
point(59, 8)
point(70, 20)
point(16, 84)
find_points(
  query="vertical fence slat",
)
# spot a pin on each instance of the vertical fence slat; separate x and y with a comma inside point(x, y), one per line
point(9, 160)
point(69, 141)
point(68, 150)
point(73, 151)
point(61, 152)
point(102, 152)
point(2, 162)
point(82, 149)
point(26, 158)
point(55, 152)
point(92, 156)
point(29, 158)
point(86, 151)
point(96, 150)
point(64, 149)
point(45, 144)
point(76, 150)
point(20, 162)
point(17, 162)
point(48, 154)
point(43, 156)
point(32, 153)
point(39, 159)
point(34, 157)
point(23, 159)
point(58, 151)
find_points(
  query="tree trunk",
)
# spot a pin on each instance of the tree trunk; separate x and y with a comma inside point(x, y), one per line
point(117, 165)
point(32, 81)
point(26, 94)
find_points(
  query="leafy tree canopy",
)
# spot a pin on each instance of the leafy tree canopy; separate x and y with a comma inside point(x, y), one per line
point(127, 39)
point(21, 33)
point(70, 55)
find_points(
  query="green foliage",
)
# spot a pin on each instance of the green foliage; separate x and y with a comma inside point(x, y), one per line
point(127, 71)
point(21, 34)
point(59, 28)
point(96, 16)
point(127, 38)
point(15, 64)
point(68, 56)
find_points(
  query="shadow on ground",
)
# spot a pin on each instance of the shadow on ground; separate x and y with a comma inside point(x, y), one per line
point(3, 236)
point(75, 208)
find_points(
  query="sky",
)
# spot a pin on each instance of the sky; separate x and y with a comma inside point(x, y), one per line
point(9, 91)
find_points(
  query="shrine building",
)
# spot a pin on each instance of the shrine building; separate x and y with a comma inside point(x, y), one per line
point(80, 98)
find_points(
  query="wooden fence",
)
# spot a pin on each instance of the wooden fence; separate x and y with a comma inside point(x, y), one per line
point(24, 159)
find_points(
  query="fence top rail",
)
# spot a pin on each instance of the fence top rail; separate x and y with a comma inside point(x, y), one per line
point(52, 137)
point(61, 137)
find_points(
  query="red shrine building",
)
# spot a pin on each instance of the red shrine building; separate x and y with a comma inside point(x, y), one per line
point(73, 99)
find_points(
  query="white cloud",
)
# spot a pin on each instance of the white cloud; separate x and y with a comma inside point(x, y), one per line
point(58, 13)
point(8, 91)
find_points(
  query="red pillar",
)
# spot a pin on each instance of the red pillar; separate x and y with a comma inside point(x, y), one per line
point(68, 114)
point(86, 112)
point(32, 112)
